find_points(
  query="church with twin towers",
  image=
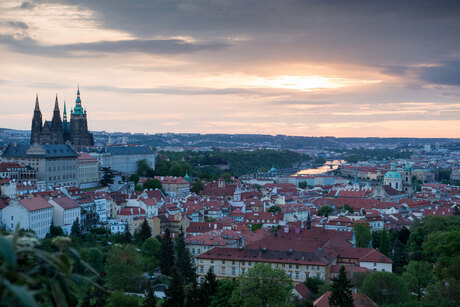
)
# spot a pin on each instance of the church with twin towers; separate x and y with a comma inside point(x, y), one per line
point(59, 131)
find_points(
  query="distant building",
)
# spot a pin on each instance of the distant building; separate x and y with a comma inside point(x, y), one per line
point(124, 158)
point(66, 211)
point(55, 164)
point(59, 131)
point(393, 178)
point(88, 171)
point(30, 213)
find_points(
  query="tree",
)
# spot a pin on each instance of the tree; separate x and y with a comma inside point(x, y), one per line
point(224, 292)
point(151, 247)
point(362, 234)
point(108, 176)
point(263, 286)
point(325, 211)
point(341, 290)
point(75, 230)
point(144, 232)
point(384, 244)
point(418, 276)
point(152, 184)
point(135, 178)
point(126, 238)
point(166, 253)
point(55, 231)
point(184, 262)
point(175, 293)
point(124, 267)
point(95, 259)
point(303, 184)
point(118, 298)
point(208, 288)
point(314, 283)
point(144, 168)
point(150, 298)
point(197, 187)
point(348, 208)
point(400, 257)
point(274, 209)
point(385, 288)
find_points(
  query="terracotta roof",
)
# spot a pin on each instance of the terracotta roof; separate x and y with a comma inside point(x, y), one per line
point(302, 290)
point(35, 203)
point(66, 203)
point(359, 300)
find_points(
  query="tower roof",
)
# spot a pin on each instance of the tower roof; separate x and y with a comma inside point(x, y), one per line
point(56, 104)
point(78, 108)
point(37, 106)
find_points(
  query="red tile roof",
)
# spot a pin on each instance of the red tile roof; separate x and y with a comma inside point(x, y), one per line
point(66, 203)
point(35, 203)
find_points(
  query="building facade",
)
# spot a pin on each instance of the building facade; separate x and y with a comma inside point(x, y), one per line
point(88, 171)
point(54, 164)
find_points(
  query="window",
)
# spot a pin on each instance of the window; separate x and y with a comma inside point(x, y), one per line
point(243, 263)
point(297, 275)
point(212, 260)
point(249, 263)
point(283, 265)
point(375, 264)
point(223, 261)
point(233, 271)
point(233, 262)
point(243, 271)
point(290, 266)
point(201, 269)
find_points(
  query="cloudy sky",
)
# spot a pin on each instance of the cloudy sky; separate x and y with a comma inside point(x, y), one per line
point(296, 67)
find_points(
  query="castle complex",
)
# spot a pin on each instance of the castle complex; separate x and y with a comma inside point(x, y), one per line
point(59, 131)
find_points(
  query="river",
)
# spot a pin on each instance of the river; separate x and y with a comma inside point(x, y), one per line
point(327, 167)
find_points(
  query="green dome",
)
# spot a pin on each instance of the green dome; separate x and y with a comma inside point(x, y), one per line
point(78, 108)
point(392, 174)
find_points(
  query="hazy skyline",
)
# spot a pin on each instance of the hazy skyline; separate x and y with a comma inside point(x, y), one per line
point(310, 68)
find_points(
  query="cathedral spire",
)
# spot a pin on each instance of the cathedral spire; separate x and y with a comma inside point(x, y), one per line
point(64, 115)
point(37, 106)
point(56, 105)
point(78, 108)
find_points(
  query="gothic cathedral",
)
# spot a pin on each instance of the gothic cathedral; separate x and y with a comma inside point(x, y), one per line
point(59, 131)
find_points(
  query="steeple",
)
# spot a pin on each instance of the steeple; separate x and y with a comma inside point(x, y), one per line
point(37, 106)
point(78, 108)
point(56, 105)
point(64, 115)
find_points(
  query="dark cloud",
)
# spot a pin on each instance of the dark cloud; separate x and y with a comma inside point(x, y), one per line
point(164, 46)
point(387, 33)
point(27, 5)
point(446, 74)
point(18, 24)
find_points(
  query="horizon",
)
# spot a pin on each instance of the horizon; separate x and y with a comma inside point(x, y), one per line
point(311, 69)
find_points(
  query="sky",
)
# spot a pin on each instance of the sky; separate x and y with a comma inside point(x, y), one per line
point(296, 67)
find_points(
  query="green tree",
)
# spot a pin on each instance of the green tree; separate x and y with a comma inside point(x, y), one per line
point(224, 292)
point(208, 288)
point(166, 253)
point(385, 288)
point(144, 232)
point(118, 299)
point(274, 209)
point(95, 259)
point(151, 247)
point(175, 293)
point(197, 187)
point(107, 177)
point(400, 257)
point(76, 229)
point(123, 267)
point(144, 168)
point(55, 231)
point(384, 244)
point(314, 283)
point(184, 262)
point(418, 276)
point(255, 227)
point(303, 184)
point(325, 211)
point(348, 208)
point(152, 184)
point(362, 234)
point(263, 286)
point(135, 178)
point(126, 237)
point(150, 298)
point(341, 290)
point(192, 295)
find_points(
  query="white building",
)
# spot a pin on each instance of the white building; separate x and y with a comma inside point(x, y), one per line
point(124, 158)
point(88, 171)
point(66, 211)
point(31, 213)
point(393, 178)
point(101, 209)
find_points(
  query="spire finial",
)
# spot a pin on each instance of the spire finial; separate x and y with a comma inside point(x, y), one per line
point(37, 107)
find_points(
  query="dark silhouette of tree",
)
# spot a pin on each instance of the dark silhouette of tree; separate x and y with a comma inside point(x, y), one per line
point(108, 176)
point(362, 234)
point(153, 184)
point(175, 293)
point(150, 298)
point(384, 244)
point(184, 262)
point(341, 290)
point(76, 229)
point(197, 187)
point(144, 232)
point(126, 238)
point(325, 211)
point(208, 288)
point(166, 253)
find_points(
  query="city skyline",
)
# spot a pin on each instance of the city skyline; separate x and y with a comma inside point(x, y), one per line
point(292, 67)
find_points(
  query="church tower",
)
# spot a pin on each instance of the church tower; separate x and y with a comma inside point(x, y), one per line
point(79, 135)
point(57, 133)
point(37, 124)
